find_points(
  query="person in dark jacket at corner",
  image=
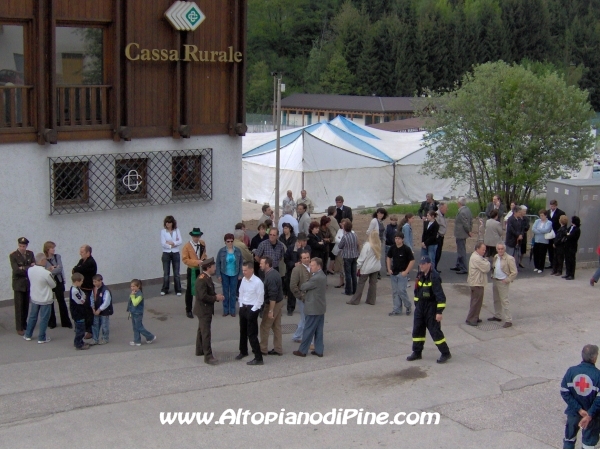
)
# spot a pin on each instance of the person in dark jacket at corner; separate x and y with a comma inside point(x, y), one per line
point(559, 246)
point(573, 234)
point(430, 302)
point(88, 268)
point(273, 305)
point(579, 389)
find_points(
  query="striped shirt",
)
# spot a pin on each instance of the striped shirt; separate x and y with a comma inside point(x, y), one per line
point(349, 245)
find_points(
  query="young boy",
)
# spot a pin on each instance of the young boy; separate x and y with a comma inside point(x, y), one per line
point(77, 301)
point(101, 302)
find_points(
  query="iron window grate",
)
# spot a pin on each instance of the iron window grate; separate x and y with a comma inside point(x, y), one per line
point(129, 180)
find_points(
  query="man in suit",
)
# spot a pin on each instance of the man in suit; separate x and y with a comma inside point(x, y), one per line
point(496, 204)
point(303, 219)
point(20, 262)
point(553, 215)
point(341, 211)
point(204, 309)
point(314, 309)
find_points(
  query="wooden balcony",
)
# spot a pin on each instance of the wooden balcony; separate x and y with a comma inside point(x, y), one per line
point(84, 107)
point(16, 107)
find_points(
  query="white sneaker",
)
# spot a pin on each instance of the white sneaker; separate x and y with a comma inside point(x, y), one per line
point(45, 342)
point(152, 341)
point(26, 338)
point(179, 294)
point(133, 343)
point(162, 293)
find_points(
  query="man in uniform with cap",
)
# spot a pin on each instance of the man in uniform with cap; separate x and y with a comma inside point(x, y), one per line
point(20, 261)
point(192, 254)
point(204, 309)
point(430, 302)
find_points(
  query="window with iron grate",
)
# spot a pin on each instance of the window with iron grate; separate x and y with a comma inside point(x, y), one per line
point(131, 181)
point(71, 183)
point(187, 175)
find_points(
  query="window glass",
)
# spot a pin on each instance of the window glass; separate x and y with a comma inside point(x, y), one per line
point(71, 183)
point(79, 56)
point(186, 175)
point(12, 63)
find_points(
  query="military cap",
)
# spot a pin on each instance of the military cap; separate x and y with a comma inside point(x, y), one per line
point(23, 240)
point(208, 262)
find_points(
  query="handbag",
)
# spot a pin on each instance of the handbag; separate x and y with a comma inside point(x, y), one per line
point(549, 235)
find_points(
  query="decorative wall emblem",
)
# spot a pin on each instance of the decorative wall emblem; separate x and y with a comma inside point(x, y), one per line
point(185, 16)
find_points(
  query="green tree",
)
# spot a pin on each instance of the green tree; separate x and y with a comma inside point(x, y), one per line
point(508, 130)
point(337, 79)
point(259, 97)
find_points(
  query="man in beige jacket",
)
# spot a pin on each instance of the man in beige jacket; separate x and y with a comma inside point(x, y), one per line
point(504, 271)
point(479, 266)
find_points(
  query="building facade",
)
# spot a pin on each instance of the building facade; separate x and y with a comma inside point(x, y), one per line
point(113, 115)
point(305, 109)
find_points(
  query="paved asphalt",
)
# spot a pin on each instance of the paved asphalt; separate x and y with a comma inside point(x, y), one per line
point(499, 390)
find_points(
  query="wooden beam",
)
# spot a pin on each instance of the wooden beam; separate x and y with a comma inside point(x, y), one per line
point(116, 74)
point(39, 71)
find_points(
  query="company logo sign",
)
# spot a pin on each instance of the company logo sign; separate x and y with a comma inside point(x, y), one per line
point(185, 16)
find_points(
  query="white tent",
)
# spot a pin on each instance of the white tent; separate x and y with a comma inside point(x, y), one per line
point(365, 165)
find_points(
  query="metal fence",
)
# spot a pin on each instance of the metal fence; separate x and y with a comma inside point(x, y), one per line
point(129, 180)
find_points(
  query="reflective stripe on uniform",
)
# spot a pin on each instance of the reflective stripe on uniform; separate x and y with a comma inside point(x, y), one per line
point(416, 299)
point(562, 389)
point(417, 339)
point(441, 305)
point(441, 341)
point(429, 284)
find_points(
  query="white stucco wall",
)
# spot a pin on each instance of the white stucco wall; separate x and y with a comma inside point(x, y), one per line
point(126, 243)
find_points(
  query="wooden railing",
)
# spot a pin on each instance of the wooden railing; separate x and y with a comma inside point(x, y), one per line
point(82, 106)
point(16, 105)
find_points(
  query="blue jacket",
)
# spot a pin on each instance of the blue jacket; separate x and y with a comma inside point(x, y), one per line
point(390, 234)
point(539, 229)
point(139, 308)
point(222, 261)
point(579, 389)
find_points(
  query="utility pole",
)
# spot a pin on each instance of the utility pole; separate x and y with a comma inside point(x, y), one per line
point(278, 152)
point(274, 100)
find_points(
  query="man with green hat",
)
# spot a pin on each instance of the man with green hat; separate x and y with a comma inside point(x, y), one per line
point(192, 254)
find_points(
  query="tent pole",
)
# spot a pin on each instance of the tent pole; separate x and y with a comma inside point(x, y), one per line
point(277, 155)
point(394, 183)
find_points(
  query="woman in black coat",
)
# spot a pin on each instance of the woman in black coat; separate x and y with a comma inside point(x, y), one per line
point(559, 246)
point(315, 241)
point(429, 237)
point(571, 247)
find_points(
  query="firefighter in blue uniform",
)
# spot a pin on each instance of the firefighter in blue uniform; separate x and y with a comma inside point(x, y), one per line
point(579, 390)
point(430, 302)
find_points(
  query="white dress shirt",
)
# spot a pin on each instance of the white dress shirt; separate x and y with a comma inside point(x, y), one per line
point(252, 292)
point(174, 236)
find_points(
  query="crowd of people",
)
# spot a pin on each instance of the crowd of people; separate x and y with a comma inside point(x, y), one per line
point(284, 266)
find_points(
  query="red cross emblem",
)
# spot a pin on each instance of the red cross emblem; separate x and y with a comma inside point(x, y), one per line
point(582, 384)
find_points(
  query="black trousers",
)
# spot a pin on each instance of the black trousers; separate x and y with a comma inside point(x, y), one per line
point(249, 332)
point(89, 314)
point(438, 252)
point(291, 300)
point(559, 259)
point(425, 312)
point(59, 293)
point(570, 259)
point(539, 255)
point(551, 252)
point(21, 309)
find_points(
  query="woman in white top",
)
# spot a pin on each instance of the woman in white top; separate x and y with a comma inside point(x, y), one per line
point(170, 239)
point(369, 265)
